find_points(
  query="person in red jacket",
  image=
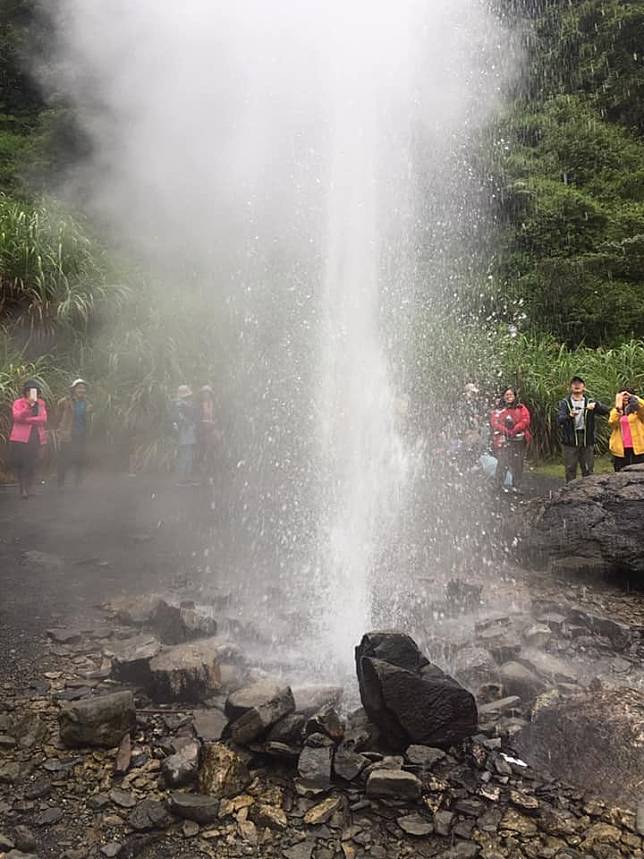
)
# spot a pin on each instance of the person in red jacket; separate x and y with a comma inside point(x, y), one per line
point(28, 435)
point(510, 424)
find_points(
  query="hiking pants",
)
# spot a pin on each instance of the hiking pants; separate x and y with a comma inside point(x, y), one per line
point(580, 455)
point(510, 458)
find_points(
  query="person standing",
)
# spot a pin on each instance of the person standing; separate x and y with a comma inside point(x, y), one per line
point(510, 424)
point(576, 419)
point(184, 422)
point(28, 435)
point(74, 424)
point(626, 421)
point(206, 431)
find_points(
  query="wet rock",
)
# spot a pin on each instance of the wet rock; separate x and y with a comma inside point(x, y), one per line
point(131, 658)
point(249, 696)
point(618, 633)
point(564, 739)
point(186, 672)
point(360, 733)
point(270, 816)
point(415, 824)
point(122, 798)
point(538, 635)
point(431, 709)
point(598, 518)
point(258, 719)
point(49, 817)
point(510, 704)
point(123, 756)
point(63, 635)
point(395, 648)
point(322, 812)
point(394, 784)
point(314, 765)
point(310, 699)
point(178, 624)
point(303, 850)
point(474, 666)
point(24, 839)
point(288, 730)
point(9, 772)
point(443, 822)
point(149, 814)
point(326, 721)
point(182, 767)
point(136, 611)
point(38, 789)
point(190, 828)
point(199, 807)
point(209, 724)
point(348, 764)
point(223, 773)
point(424, 756)
point(100, 721)
point(521, 681)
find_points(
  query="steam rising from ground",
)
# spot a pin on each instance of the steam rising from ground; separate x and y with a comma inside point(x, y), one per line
point(309, 161)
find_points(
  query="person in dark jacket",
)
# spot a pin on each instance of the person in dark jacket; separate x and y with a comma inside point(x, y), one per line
point(576, 419)
point(74, 423)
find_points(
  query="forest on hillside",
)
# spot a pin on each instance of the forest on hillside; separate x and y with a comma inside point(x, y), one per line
point(564, 165)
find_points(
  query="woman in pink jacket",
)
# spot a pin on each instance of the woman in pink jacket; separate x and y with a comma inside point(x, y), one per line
point(28, 434)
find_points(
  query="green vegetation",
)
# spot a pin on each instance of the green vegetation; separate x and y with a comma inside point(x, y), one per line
point(567, 165)
point(565, 171)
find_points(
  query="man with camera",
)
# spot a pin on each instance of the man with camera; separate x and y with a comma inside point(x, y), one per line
point(576, 419)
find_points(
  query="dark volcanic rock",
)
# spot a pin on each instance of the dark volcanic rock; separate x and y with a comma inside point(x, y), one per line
point(186, 672)
point(409, 707)
point(266, 712)
point(100, 721)
point(594, 742)
point(314, 765)
point(194, 806)
point(149, 814)
point(131, 658)
point(598, 518)
point(396, 648)
point(395, 784)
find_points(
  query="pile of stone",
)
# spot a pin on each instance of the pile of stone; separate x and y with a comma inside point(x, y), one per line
point(264, 769)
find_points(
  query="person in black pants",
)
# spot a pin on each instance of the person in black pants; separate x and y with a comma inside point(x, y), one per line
point(576, 420)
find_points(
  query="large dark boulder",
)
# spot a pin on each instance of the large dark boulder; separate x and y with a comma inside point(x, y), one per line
point(595, 741)
point(411, 700)
point(591, 524)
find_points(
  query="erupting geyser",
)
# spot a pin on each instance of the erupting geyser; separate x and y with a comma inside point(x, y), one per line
point(308, 163)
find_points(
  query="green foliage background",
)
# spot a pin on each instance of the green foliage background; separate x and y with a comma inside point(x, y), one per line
point(563, 275)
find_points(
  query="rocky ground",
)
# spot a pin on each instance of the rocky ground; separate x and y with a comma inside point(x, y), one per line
point(202, 754)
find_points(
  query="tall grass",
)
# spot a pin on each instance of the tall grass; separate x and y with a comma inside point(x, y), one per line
point(52, 274)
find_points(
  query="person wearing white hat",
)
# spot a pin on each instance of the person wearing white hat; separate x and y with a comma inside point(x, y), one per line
point(74, 423)
point(184, 423)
